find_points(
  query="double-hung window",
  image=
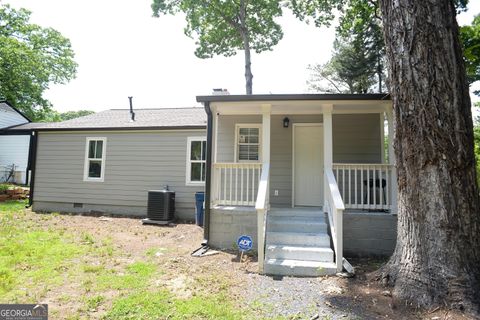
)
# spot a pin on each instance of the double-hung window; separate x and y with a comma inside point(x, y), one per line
point(247, 145)
point(95, 159)
point(196, 160)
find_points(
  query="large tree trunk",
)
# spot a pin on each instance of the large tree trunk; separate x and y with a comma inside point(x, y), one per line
point(437, 257)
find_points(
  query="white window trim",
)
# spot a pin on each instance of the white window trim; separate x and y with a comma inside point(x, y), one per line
point(237, 130)
point(86, 163)
point(188, 165)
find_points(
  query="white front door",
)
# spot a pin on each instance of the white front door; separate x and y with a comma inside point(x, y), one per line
point(308, 165)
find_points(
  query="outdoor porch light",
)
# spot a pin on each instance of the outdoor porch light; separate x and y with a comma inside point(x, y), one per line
point(286, 122)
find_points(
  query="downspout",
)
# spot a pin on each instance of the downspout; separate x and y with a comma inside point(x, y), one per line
point(32, 155)
point(29, 164)
point(208, 175)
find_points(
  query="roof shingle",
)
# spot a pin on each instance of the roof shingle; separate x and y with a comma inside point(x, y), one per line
point(162, 118)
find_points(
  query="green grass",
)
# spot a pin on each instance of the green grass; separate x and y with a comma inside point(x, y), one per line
point(29, 256)
point(9, 207)
point(136, 276)
point(94, 302)
point(162, 305)
point(36, 259)
point(151, 252)
point(94, 269)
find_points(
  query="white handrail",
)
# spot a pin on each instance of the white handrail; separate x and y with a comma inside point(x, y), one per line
point(261, 206)
point(263, 188)
point(334, 208)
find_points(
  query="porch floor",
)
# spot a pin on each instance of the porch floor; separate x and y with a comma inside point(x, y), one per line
point(290, 210)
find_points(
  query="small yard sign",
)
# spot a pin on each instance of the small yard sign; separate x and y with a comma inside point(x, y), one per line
point(245, 243)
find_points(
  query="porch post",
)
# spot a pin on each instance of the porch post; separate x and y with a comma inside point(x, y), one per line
point(327, 148)
point(261, 214)
point(391, 160)
point(266, 109)
point(382, 136)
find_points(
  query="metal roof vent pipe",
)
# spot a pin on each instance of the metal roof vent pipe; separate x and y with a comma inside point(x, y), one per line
point(220, 92)
point(132, 114)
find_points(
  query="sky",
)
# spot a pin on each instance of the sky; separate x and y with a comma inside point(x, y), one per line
point(123, 51)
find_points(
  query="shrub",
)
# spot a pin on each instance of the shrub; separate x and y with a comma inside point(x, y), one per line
point(3, 188)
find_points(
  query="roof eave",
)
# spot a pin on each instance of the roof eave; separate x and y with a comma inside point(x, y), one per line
point(123, 128)
point(291, 97)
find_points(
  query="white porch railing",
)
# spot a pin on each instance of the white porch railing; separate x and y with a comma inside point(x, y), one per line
point(334, 207)
point(236, 183)
point(262, 206)
point(365, 186)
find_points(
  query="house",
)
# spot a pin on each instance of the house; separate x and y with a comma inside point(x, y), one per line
point(13, 147)
point(106, 162)
point(306, 175)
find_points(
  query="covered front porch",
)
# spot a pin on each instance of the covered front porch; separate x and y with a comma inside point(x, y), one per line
point(329, 154)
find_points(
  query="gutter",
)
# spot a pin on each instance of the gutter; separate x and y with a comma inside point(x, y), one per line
point(294, 97)
point(202, 251)
point(194, 127)
point(8, 132)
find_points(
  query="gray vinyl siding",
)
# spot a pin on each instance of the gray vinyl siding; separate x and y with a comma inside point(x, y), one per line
point(134, 163)
point(226, 135)
point(356, 139)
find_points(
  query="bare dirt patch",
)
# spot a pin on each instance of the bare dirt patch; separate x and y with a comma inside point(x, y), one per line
point(125, 249)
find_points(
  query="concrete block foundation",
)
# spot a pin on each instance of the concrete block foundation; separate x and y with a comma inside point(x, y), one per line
point(364, 233)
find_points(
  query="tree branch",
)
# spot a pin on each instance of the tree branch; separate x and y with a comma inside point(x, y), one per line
point(227, 19)
point(376, 8)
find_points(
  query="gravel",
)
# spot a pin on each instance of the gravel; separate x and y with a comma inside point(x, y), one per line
point(298, 298)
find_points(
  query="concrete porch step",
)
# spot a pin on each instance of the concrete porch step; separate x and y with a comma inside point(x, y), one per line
point(297, 224)
point(297, 212)
point(313, 239)
point(319, 254)
point(299, 268)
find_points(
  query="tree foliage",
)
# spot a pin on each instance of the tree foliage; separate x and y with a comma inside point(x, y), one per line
point(358, 56)
point(224, 27)
point(362, 18)
point(476, 137)
point(354, 12)
point(353, 68)
point(31, 58)
point(470, 36)
point(476, 140)
point(55, 116)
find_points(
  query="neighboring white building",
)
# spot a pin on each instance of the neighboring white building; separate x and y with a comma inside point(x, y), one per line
point(13, 148)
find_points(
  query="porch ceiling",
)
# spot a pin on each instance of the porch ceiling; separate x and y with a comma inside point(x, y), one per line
point(291, 107)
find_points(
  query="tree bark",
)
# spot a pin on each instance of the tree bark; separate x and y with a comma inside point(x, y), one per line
point(379, 73)
point(437, 256)
point(246, 47)
point(248, 68)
